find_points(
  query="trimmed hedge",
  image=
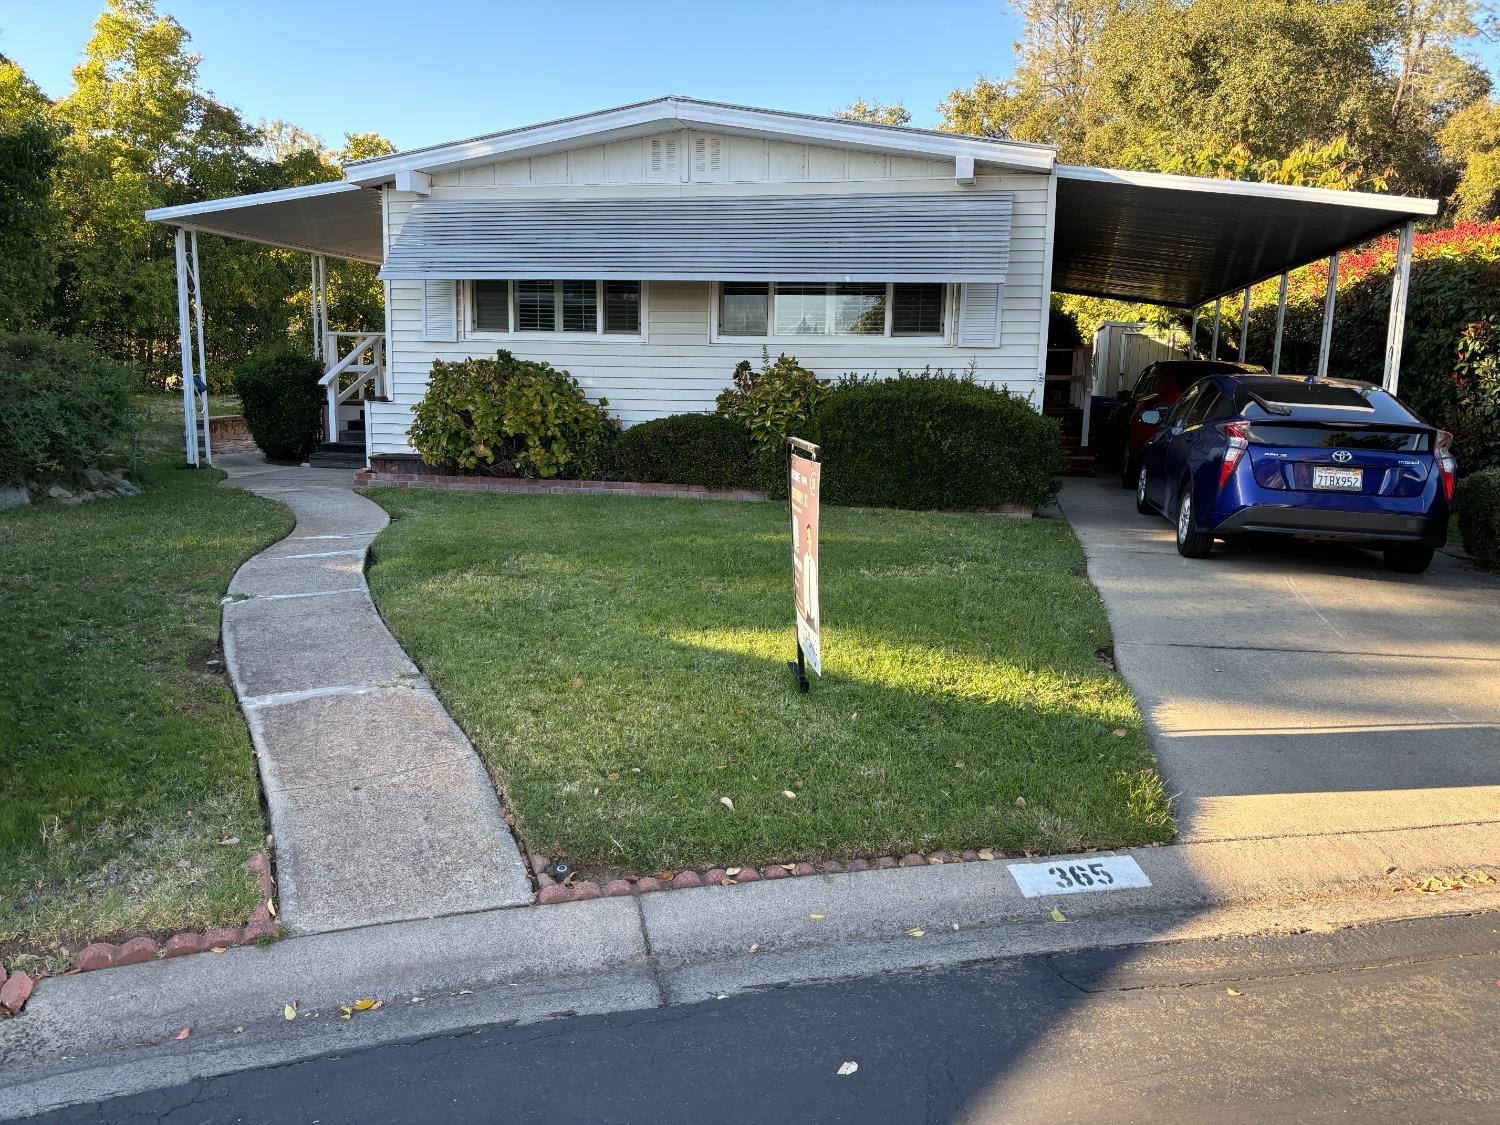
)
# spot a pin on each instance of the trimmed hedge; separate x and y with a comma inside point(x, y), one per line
point(701, 449)
point(933, 442)
point(1479, 516)
point(63, 406)
point(282, 403)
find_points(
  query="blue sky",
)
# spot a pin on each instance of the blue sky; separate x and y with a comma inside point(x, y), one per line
point(439, 70)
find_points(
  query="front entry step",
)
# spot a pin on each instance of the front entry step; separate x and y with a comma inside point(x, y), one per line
point(339, 455)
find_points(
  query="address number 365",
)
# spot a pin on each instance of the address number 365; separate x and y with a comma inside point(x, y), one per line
point(1081, 875)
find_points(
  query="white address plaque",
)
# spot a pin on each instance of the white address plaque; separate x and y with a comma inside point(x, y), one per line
point(1071, 877)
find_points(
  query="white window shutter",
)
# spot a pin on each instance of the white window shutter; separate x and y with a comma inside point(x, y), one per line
point(440, 310)
point(979, 315)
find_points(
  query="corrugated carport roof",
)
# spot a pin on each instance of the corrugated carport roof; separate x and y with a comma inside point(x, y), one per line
point(1182, 240)
point(340, 219)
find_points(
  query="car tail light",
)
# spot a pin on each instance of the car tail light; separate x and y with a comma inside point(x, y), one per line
point(1447, 467)
point(1238, 434)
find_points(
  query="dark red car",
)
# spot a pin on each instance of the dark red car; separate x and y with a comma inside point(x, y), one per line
point(1158, 387)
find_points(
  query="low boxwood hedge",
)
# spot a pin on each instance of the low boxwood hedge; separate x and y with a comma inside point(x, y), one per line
point(1479, 516)
point(704, 449)
point(933, 442)
point(282, 403)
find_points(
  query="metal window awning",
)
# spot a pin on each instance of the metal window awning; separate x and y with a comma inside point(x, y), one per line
point(919, 237)
point(1183, 240)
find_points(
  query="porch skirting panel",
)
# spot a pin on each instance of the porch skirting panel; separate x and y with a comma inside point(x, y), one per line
point(909, 237)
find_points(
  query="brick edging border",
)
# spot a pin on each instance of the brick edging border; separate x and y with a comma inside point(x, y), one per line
point(262, 923)
point(550, 891)
point(370, 478)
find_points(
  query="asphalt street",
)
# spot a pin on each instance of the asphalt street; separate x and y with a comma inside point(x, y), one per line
point(1392, 1022)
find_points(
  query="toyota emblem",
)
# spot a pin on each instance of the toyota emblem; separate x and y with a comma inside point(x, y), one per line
point(1342, 455)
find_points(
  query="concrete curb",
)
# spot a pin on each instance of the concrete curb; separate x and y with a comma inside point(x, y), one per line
point(640, 952)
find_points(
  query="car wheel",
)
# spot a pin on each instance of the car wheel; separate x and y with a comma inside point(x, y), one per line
point(1127, 467)
point(1142, 503)
point(1409, 558)
point(1191, 543)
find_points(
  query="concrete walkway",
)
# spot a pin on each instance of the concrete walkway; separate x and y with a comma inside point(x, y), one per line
point(380, 808)
point(1301, 689)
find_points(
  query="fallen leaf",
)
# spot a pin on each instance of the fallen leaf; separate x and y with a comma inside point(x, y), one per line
point(239, 1031)
point(788, 794)
point(726, 802)
point(848, 1068)
point(1119, 732)
point(346, 1011)
point(1021, 802)
point(218, 949)
point(1233, 992)
point(816, 917)
point(1058, 915)
point(365, 1005)
point(418, 999)
point(183, 1034)
point(732, 871)
point(915, 931)
point(985, 853)
point(271, 907)
point(290, 1010)
point(596, 791)
point(466, 992)
point(958, 764)
point(228, 840)
point(756, 945)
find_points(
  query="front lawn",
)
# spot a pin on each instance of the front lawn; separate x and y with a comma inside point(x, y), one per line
point(123, 757)
point(621, 664)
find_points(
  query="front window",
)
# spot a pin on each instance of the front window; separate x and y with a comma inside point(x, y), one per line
point(788, 308)
point(576, 307)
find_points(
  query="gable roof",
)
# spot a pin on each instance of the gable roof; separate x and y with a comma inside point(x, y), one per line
point(661, 114)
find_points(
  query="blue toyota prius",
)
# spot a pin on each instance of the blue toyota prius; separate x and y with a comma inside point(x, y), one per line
point(1241, 456)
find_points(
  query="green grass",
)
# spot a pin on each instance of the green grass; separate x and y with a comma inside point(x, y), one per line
point(123, 757)
point(621, 664)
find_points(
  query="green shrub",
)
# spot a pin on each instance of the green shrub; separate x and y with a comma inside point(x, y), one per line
point(933, 442)
point(510, 416)
point(705, 449)
point(62, 405)
point(282, 403)
point(1479, 516)
point(1475, 414)
point(771, 402)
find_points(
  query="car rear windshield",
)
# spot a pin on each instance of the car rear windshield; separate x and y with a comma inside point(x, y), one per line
point(1297, 392)
point(1341, 437)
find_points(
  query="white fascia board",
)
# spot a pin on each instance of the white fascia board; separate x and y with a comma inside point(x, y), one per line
point(234, 202)
point(675, 113)
point(1400, 204)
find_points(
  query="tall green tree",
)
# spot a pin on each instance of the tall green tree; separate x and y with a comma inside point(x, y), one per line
point(875, 113)
point(30, 146)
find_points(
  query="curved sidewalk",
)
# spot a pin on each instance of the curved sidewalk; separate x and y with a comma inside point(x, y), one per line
point(380, 808)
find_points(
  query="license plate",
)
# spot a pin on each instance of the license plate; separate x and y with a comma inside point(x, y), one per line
point(1340, 480)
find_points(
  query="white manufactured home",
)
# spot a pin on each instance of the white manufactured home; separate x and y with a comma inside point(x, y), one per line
point(648, 249)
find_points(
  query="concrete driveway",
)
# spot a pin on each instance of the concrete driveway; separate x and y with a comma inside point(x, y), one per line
point(1302, 689)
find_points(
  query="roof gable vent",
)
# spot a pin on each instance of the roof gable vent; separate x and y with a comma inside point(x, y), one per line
point(661, 162)
point(708, 156)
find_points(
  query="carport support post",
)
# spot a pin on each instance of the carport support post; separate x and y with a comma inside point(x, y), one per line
point(1326, 343)
point(1280, 324)
point(197, 295)
point(1396, 327)
point(185, 342)
point(1213, 349)
point(1245, 324)
point(1193, 336)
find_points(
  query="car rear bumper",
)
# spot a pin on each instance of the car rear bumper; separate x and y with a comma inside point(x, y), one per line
point(1430, 529)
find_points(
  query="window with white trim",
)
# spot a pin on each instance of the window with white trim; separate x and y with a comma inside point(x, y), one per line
point(581, 308)
point(798, 308)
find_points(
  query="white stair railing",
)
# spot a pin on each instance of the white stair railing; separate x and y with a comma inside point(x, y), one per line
point(351, 364)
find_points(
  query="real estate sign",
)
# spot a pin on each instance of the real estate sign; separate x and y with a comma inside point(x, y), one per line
point(805, 481)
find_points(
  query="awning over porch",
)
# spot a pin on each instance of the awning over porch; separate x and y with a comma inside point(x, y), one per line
point(928, 236)
point(338, 219)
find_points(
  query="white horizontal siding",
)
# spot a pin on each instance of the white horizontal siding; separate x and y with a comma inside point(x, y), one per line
point(677, 367)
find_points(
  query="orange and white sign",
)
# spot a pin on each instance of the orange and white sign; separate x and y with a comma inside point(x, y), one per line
point(806, 479)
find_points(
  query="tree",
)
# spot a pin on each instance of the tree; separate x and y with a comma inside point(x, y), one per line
point(363, 146)
point(875, 113)
point(1471, 141)
point(280, 139)
point(30, 145)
